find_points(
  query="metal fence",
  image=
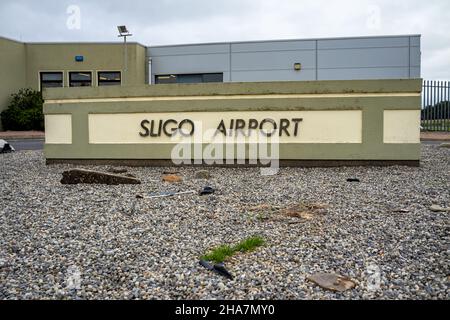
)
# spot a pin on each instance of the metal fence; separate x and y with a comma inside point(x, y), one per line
point(435, 106)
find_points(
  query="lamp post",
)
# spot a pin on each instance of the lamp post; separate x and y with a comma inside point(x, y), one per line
point(124, 33)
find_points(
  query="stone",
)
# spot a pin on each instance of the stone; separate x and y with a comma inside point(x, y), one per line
point(207, 190)
point(82, 176)
point(445, 145)
point(332, 282)
point(401, 211)
point(202, 174)
point(172, 178)
point(170, 172)
point(3, 263)
point(117, 170)
point(436, 208)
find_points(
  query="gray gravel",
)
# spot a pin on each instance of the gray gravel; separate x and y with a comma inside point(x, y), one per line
point(100, 242)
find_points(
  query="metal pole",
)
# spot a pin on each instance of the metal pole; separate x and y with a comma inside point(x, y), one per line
point(439, 104)
point(434, 104)
point(428, 116)
point(125, 63)
point(447, 113)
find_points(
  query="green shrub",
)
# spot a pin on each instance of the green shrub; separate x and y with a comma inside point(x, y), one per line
point(24, 111)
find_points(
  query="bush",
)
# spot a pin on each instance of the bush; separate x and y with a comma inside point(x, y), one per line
point(24, 111)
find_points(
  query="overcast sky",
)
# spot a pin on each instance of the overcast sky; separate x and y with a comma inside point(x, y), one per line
point(156, 22)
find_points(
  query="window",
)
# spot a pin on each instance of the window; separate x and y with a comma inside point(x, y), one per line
point(189, 78)
point(80, 79)
point(109, 78)
point(166, 79)
point(51, 80)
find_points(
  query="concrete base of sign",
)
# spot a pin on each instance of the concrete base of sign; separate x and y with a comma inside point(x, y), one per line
point(282, 163)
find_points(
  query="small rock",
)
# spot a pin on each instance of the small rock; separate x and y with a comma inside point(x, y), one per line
point(202, 174)
point(401, 211)
point(3, 263)
point(77, 176)
point(332, 282)
point(445, 145)
point(171, 172)
point(111, 252)
point(207, 190)
point(436, 208)
point(172, 178)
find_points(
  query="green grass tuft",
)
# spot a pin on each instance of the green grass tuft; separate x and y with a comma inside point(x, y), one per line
point(220, 254)
point(249, 244)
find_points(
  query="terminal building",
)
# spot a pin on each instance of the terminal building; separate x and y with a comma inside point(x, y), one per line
point(44, 65)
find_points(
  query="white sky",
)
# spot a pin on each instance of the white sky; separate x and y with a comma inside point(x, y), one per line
point(156, 22)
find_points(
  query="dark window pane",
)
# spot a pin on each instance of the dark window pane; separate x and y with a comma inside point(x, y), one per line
point(51, 79)
point(80, 79)
point(189, 78)
point(213, 77)
point(109, 78)
point(78, 76)
point(52, 76)
point(166, 79)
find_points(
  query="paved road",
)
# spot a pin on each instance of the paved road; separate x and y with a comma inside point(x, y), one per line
point(434, 142)
point(27, 144)
point(38, 144)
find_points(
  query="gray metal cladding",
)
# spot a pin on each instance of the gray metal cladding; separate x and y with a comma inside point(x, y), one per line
point(386, 57)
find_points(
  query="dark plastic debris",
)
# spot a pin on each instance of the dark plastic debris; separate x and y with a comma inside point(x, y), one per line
point(218, 268)
point(206, 264)
point(353, 180)
point(207, 190)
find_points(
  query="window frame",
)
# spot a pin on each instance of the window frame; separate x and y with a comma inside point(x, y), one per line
point(80, 71)
point(40, 72)
point(108, 71)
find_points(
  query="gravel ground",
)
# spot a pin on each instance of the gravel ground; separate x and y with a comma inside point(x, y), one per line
point(100, 242)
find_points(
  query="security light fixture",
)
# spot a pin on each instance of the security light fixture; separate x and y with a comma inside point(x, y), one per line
point(297, 66)
point(123, 31)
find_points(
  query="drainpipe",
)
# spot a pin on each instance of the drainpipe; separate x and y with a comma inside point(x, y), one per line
point(149, 70)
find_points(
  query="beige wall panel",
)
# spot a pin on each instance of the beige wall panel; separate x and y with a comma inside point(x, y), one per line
point(401, 126)
point(58, 129)
point(316, 127)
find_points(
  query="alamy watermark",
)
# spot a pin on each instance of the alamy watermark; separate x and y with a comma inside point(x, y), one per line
point(373, 277)
point(373, 21)
point(73, 278)
point(213, 147)
point(73, 21)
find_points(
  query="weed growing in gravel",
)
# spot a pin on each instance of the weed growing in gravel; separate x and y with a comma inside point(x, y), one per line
point(219, 254)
